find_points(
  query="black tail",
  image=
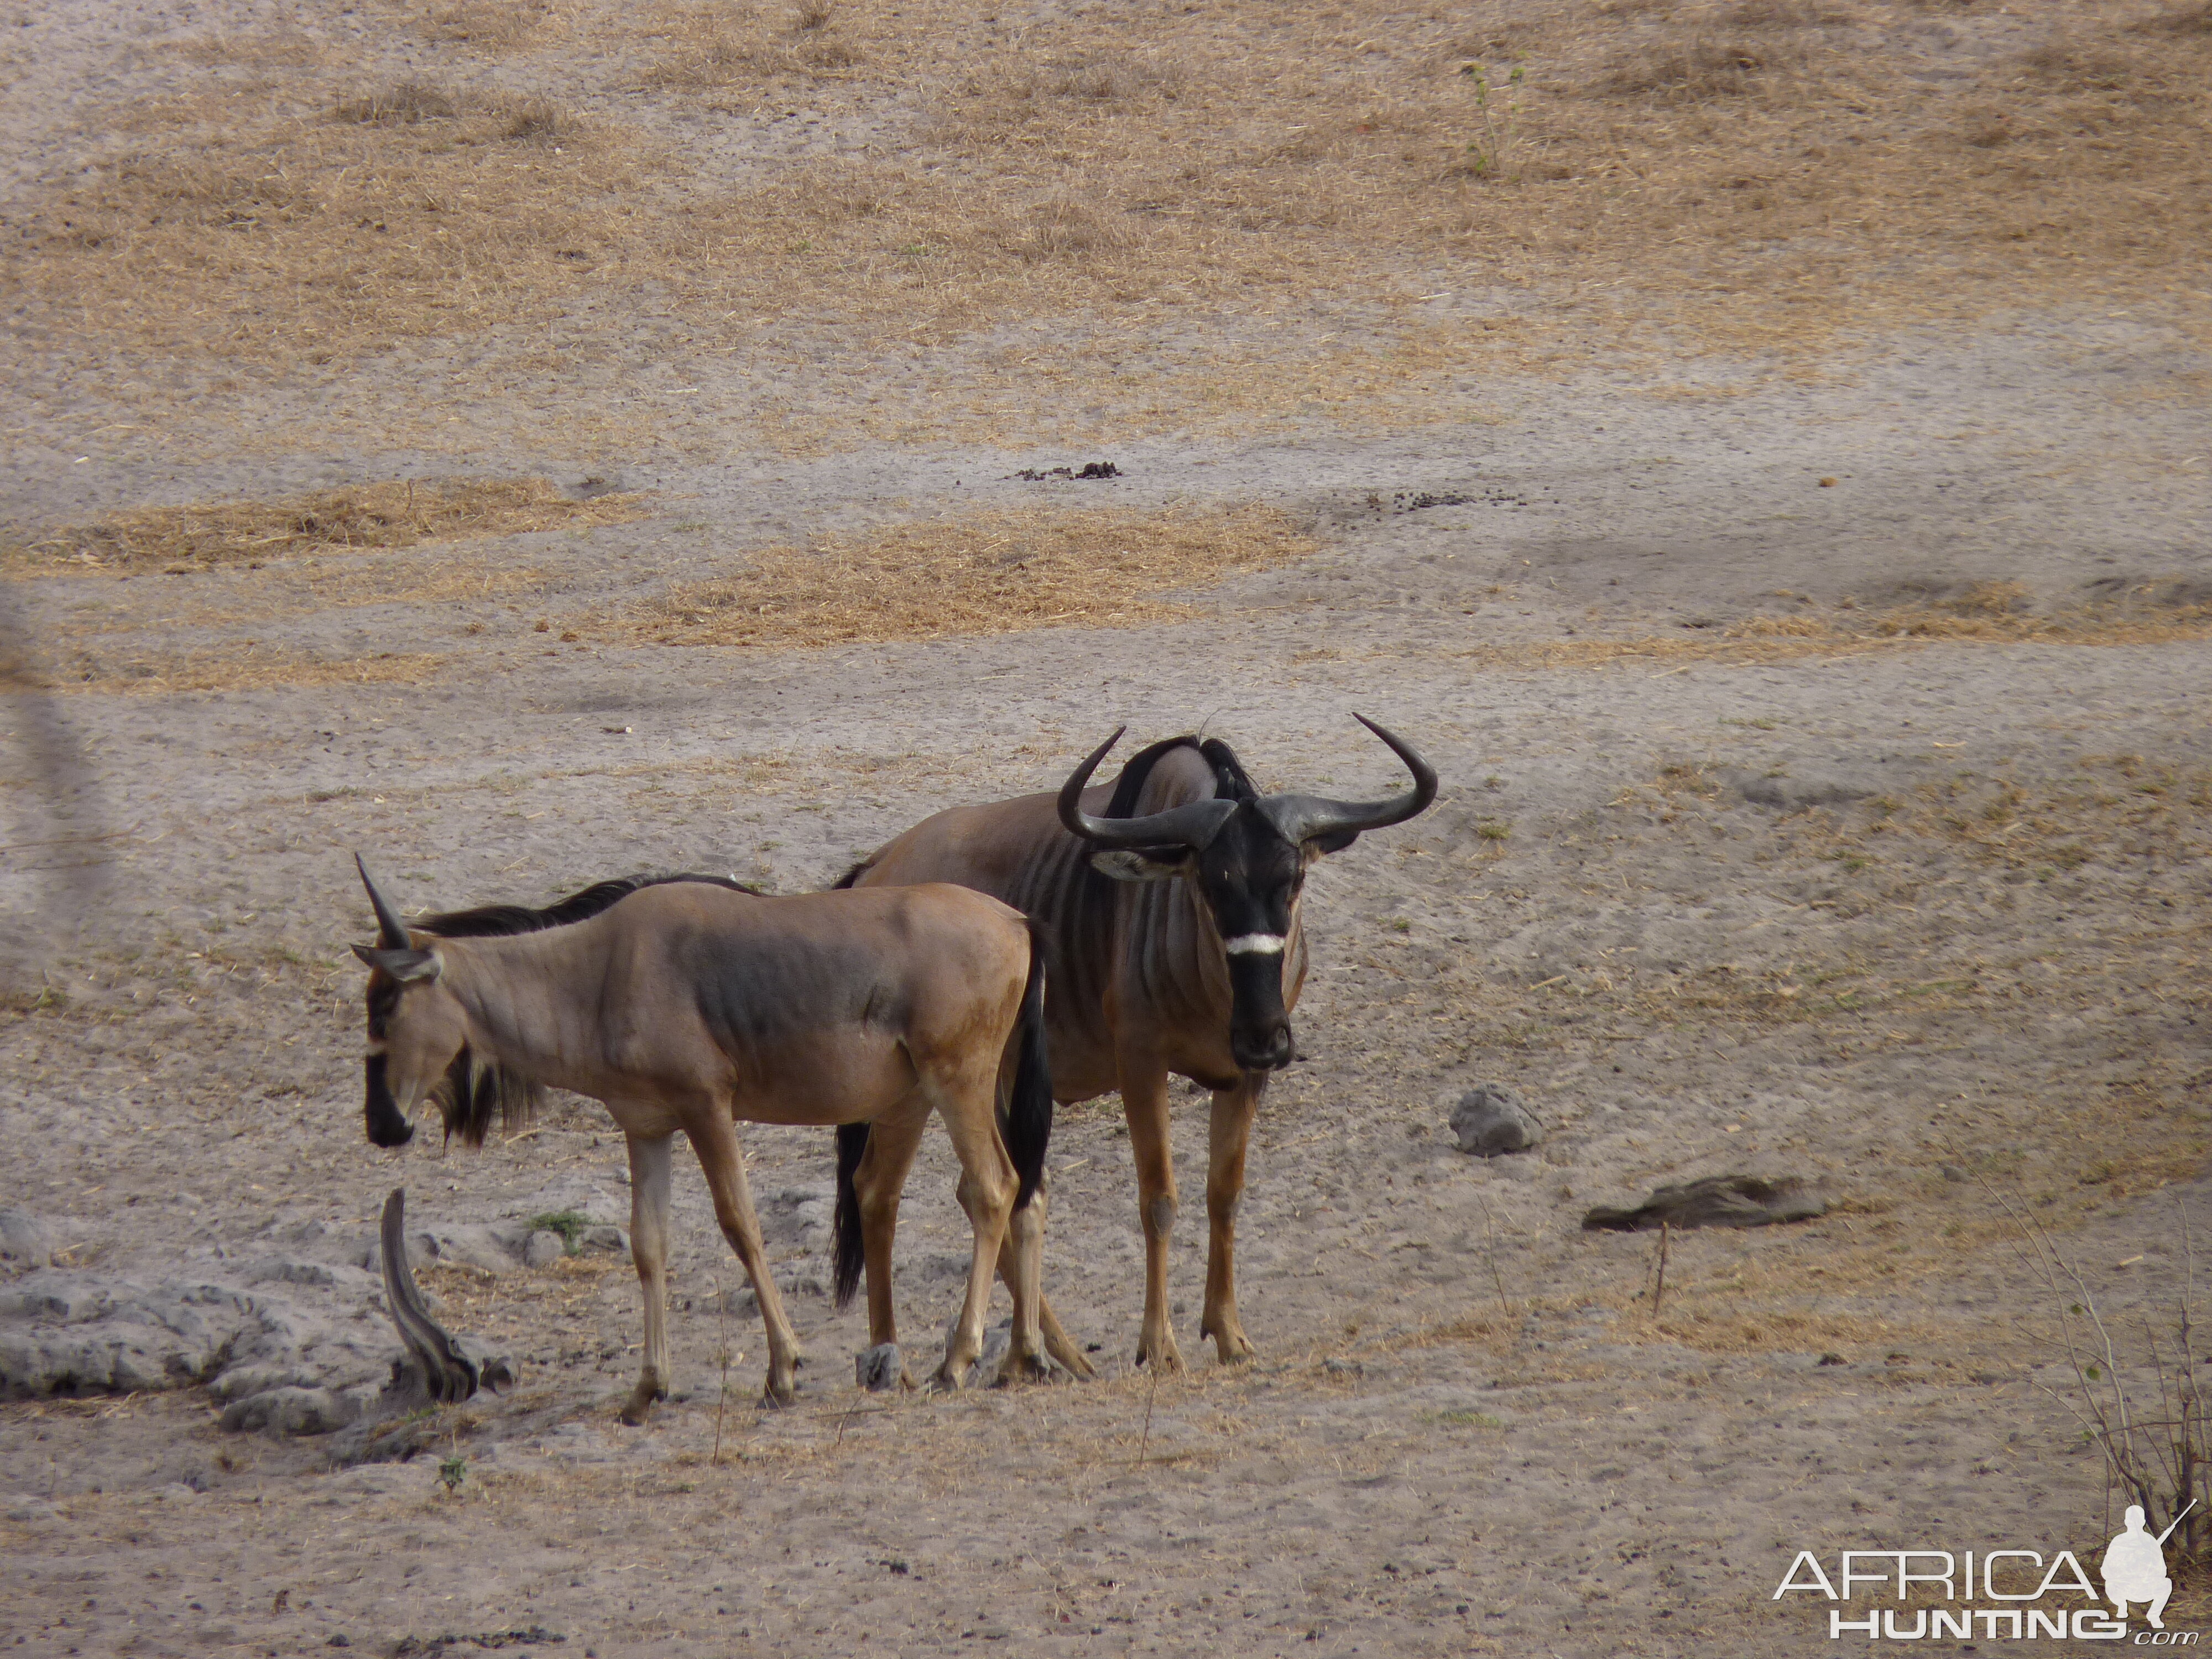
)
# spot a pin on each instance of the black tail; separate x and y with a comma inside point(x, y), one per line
point(1026, 1120)
point(847, 1246)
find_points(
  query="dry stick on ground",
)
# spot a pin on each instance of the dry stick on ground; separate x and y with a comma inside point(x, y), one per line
point(721, 1400)
point(1659, 1290)
point(1145, 1444)
point(1489, 1231)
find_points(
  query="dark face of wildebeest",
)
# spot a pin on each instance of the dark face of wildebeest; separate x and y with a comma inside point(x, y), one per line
point(1247, 855)
point(414, 1032)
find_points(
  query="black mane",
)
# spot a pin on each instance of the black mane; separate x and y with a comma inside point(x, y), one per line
point(493, 921)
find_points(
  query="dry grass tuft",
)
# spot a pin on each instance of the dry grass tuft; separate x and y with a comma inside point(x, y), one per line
point(708, 54)
point(1694, 71)
point(402, 104)
point(2186, 20)
point(358, 517)
point(999, 573)
point(540, 121)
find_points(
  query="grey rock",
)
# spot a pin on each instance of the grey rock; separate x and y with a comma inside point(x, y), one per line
point(1492, 1120)
point(942, 1266)
point(67, 1333)
point(798, 1215)
point(544, 1248)
point(1795, 795)
point(1346, 1370)
point(792, 1278)
point(25, 1241)
point(605, 1238)
point(293, 1411)
point(878, 1370)
point(1715, 1201)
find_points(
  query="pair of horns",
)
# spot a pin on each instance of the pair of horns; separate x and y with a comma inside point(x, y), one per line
point(390, 931)
point(1296, 818)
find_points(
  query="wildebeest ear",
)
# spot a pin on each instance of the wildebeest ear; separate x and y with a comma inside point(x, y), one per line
point(1140, 864)
point(402, 965)
point(1335, 842)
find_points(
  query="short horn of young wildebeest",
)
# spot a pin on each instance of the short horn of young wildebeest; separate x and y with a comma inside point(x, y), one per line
point(1168, 905)
point(689, 1002)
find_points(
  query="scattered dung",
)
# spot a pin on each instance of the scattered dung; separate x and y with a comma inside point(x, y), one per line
point(1088, 469)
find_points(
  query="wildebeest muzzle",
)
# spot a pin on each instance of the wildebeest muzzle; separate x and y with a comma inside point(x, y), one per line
point(388, 1125)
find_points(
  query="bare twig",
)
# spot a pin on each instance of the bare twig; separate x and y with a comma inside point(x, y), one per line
point(1659, 1290)
point(722, 1399)
point(1145, 1444)
point(1489, 1231)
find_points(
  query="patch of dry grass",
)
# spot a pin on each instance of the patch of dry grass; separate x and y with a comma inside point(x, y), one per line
point(997, 572)
point(1763, 170)
point(395, 514)
point(248, 666)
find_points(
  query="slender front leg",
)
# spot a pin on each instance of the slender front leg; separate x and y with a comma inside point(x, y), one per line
point(1228, 1135)
point(648, 1248)
point(1145, 1103)
point(893, 1138)
point(714, 1138)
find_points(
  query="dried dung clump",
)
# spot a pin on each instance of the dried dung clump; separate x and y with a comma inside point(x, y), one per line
point(999, 573)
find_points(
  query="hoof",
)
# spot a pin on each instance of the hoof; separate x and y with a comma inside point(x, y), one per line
point(1166, 1358)
point(638, 1412)
point(1030, 1368)
point(1232, 1348)
point(881, 1369)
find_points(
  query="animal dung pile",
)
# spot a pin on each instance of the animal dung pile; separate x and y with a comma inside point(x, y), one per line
point(1716, 1201)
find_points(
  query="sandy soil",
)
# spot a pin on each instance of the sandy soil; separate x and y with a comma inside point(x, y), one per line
point(1827, 768)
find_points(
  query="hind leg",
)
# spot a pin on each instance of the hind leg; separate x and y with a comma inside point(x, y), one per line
point(1056, 1340)
point(893, 1139)
point(969, 1106)
point(714, 1138)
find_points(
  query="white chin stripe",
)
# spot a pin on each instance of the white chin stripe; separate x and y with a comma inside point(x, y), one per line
point(1254, 945)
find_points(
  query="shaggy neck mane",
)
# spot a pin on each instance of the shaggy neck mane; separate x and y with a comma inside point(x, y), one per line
point(475, 1091)
point(497, 920)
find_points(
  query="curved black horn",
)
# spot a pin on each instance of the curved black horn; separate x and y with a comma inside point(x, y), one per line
point(1192, 825)
point(1301, 818)
point(390, 931)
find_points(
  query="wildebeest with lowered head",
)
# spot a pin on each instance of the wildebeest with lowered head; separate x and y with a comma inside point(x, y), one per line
point(688, 1002)
point(1169, 906)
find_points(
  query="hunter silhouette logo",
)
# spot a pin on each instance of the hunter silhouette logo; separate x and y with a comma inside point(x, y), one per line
point(2029, 1593)
point(2133, 1567)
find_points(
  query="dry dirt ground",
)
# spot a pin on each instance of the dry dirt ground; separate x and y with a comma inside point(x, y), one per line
point(1760, 452)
